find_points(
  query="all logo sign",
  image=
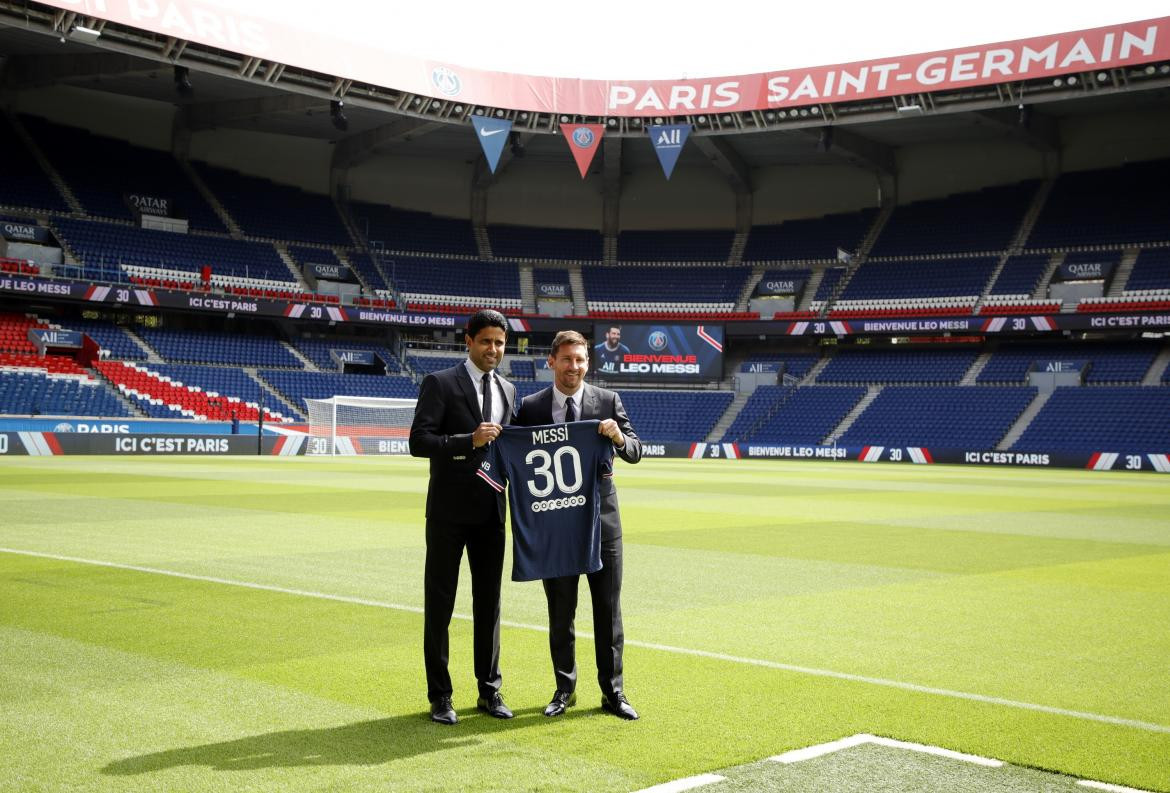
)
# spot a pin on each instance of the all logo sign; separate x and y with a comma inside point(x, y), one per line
point(583, 142)
point(668, 141)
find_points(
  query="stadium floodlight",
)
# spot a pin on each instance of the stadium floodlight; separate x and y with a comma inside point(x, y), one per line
point(347, 425)
point(85, 34)
point(337, 116)
point(912, 109)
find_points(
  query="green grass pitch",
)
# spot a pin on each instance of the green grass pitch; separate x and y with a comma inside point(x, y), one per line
point(1010, 613)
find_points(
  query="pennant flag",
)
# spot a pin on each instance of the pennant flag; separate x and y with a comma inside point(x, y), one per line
point(492, 134)
point(668, 141)
point(583, 142)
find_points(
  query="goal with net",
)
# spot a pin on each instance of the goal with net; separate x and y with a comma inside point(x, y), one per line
point(359, 425)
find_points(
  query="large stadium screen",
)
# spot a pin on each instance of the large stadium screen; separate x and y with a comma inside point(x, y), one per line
point(656, 352)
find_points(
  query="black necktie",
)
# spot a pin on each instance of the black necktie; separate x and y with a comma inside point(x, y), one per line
point(487, 397)
point(570, 410)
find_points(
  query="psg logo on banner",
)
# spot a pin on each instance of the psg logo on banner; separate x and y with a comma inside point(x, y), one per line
point(668, 141)
point(492, 134)
point(583, 141)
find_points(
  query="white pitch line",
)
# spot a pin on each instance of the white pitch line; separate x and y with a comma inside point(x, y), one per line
point(760, 662)
point(1108, 787)
point(687, 783)
point(821, 749)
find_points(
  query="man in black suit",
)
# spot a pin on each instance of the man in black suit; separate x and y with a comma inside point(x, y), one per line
point(569, 399)
point(460, 410)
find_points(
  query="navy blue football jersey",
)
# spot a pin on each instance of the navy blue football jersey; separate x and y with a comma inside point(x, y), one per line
point(553, 473)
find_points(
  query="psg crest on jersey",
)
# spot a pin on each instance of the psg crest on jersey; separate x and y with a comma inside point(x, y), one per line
point(583, 137)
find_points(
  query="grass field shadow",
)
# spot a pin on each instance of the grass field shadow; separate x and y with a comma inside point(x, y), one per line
point(361, 744)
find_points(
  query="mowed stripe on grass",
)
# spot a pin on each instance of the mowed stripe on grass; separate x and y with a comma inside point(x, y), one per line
point(926, 623)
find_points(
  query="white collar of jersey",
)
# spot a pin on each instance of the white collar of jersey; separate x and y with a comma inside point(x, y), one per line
point(559, 398)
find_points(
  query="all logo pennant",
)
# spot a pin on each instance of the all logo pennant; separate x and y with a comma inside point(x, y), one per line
point(492, 134)
point(583, 142)
point(668, 141)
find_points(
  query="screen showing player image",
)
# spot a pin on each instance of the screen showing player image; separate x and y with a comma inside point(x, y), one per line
point(656, 352)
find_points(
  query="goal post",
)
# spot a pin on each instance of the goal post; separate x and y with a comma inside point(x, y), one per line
point(359, 425)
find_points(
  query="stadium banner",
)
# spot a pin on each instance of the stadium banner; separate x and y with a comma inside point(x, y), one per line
point(1059, 367)
point(493, 134)
point(1085, 271)
point(354, 357)
point(157, 206)
point(82, 425)
point(583, 141)
point(668, 141)
point(657, 353)
point(292, 34)
point(330, 272)
point(760, 367)
point(52, 444)
point(44, 338)
point(780, 286)
point(19, 231)
point(545, 289)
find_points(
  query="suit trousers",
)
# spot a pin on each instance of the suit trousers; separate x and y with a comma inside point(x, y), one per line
point(485, 556)
point(605, 590)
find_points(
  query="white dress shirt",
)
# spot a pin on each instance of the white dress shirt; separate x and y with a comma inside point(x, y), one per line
point(558, 409)
point(497, 395)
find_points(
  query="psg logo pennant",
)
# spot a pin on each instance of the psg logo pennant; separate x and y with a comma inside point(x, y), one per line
point(583, 141)
point(492, 134)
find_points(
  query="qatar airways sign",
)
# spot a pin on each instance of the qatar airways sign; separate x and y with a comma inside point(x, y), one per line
point(358, 53)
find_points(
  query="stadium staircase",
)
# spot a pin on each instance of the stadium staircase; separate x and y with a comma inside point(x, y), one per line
point(287, 407)
point(131, 405)
point(1030, 412)
point(577, 283)
point(527, 289)
point(810, 290)
point(152, 355)
point(208, 196)
point(483, 245)
point(738, 243)
point(308, 364)
point(749, 286)
point(1029, 220)
point(871, 393)
point(1124, 269)
point(972, 375)
point(810, 377)
point(39, 156)
point(724, 423)
point(294, 270)
point(609, 247)
point(1157, 369)
point(1042, 287)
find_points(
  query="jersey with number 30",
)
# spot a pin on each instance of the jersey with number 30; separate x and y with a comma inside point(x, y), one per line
point(553, 473)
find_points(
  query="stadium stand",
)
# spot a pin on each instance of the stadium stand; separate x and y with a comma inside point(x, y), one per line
point(25, 184)
point(101, 172)
point(803, 415)
point(524, 242)
point(217, 347)
point(1021, 275)
point(940, 416)
point(1106, 419)
point(1108, 362)
point(28, 392)
point(425, 364)
point(113, 341)
point(371, 274)
point(673, 416)
point(402, 230)
point(661, 291)
point(263, 208)
point(794, 363)
point(959, 279)
point(1151, 271)
point(521, 369)
point(921, 366)
point(295, 387)
point(815, 238)
point(318, 351)
point(690, 245)
point(452, 285)
point(980, 221)
point(14, 332)
point(161, 395)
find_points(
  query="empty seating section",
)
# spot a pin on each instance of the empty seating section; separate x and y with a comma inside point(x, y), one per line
point(369, 272)
point(425, 364)
point(759, 406)
point(674, 416)
point(304, 254)
point(265, 209)
point(944, 278)
point(805, 415)
point(48, 364)
point(953, 417)
point(985, 220)
point(19, 267)
point(14, 332)
point(113, 341)
point(1151, 271)
point(851, 365)
point(25, 183)
point(1108, 362)
point(101, 172)
point(404, 230)
point(1106, 419)
point(1021, 275)
point(524, 242)
point(105, 246)
point(684, 245)
point(1125, 205)
point(829, 281)
point(795, 364)
point(454, 284)
point(318, 351)
point(815, 238)
point(222, 348)
point(26, 392)
point(167, 391)
point(521, 369)
point(679, 291)
point(295, 387)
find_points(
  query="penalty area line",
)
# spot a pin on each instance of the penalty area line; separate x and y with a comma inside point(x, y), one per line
point(759, 662)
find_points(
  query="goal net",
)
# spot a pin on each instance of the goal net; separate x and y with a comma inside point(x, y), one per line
point(359, 425)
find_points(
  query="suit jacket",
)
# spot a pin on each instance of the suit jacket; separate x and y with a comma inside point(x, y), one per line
point(447, 413)
point(596, 403)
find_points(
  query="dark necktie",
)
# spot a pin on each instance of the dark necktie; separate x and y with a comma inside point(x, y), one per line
point(487, 397)
point(570, 410)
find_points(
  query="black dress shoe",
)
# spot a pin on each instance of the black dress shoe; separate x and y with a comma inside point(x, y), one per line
point(561, 701)
point(443, 712)
point(618, 705)
point(494, 706)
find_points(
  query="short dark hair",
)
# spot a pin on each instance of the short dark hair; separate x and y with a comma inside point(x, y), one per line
point(486, 318)
point(568, 337)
